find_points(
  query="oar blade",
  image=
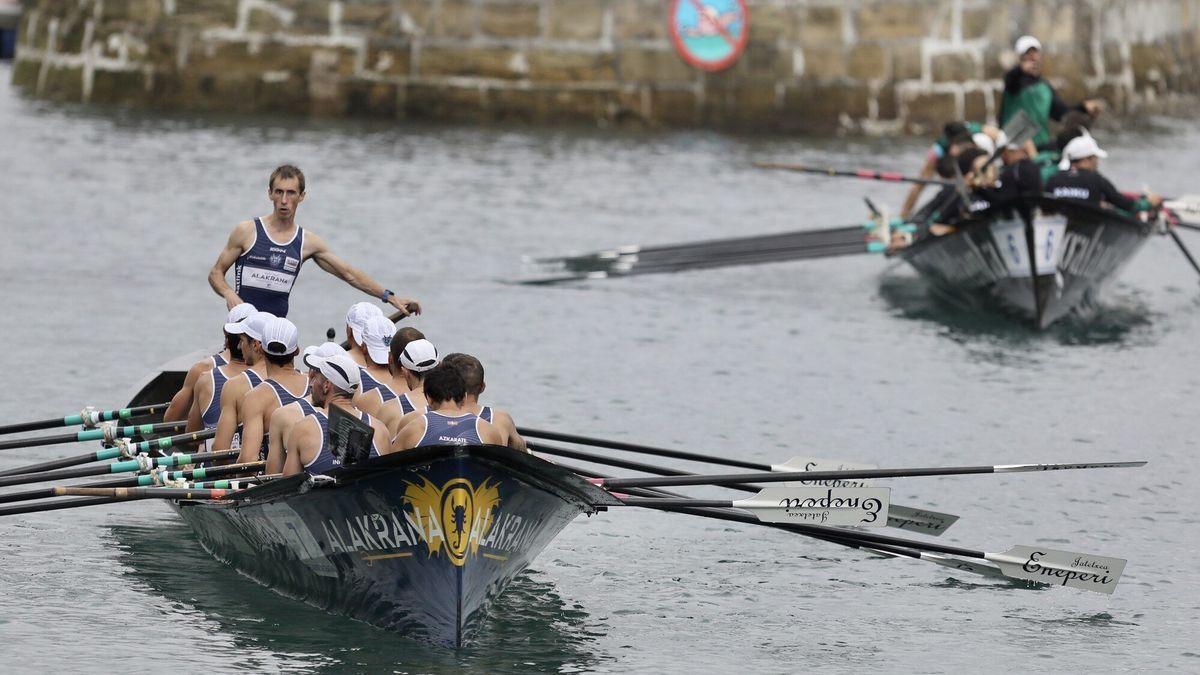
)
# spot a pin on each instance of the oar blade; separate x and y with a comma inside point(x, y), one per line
point(1039, 564)
point(920, 520)
point(847, 507)
point(820, 464)
point(1018, 468)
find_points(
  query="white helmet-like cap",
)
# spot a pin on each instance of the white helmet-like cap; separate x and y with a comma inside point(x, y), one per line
point(1080, 147)
point(357, 317)
point(1025, 43)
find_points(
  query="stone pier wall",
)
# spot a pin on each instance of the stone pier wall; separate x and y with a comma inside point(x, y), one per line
point(810, 65)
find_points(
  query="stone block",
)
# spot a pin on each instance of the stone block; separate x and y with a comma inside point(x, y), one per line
point(510, 20)
point(932, 110)
point(993, 63)
point(975, 22)
point(867, 62)
point(749, 106)
point(892, 20)
point(371, 18)
point(816, 107)
point(574, 106)
point(824, 63)
point(816, 26)
point(119, 87)
point(515, 105)
point(577, 19)
point(1053, 23)
point(674, 107)
point(636, 64)
point(415, 16)
point(134, 11)
point(958, 67)
point(455, 18)
point(390, 58)
point(640, 20)
point(286, 97)
point(471, 62)
point(366, 98)
point(63, 83)
point(906, 60)
point(975, 106)
point(557, 66)
point(886, 103)
point(762, 61)
point(770, 23)
point(265, 21)
point(25, 73)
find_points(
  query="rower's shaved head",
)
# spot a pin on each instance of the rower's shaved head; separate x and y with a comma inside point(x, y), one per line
point(471, 370)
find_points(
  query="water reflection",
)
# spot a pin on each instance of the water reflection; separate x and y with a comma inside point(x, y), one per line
point(530, 626)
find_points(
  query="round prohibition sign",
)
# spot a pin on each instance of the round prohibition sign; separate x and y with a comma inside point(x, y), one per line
point(709, 34)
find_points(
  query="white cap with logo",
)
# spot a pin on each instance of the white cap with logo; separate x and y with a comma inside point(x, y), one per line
point(1025, 43)
point(339, 369)
point(238, 314)
point(252, 326)
point(280, 337)
point(419, 356)
point(1080, 147)
point(377, 337)
point(357, 317)
point(322, 350)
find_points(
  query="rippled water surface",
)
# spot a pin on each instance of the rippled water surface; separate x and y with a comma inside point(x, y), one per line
point(112, 218)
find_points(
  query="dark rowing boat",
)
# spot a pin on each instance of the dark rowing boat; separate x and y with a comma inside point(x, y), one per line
point(419, 542)
point(1077, 249)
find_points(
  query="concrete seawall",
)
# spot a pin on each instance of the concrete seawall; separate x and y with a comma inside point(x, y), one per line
point(809, 65)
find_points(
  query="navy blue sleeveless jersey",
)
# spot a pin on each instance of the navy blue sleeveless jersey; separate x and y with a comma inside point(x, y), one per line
point(406, 405)
point(485, 414)
point(445, 430)
point(265, 273)
point(325, 461)
point(212, 413)
point(218, 360)
point(370, 384)
point(284, 396)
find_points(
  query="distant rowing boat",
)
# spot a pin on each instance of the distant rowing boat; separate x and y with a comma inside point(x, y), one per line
point(419, 542)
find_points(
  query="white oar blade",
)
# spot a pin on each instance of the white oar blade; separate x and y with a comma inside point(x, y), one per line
point(965, 565)
point(819, 464)
point(920, 520)
point(1016, 468)
point(849, 507)
point(1061, 568)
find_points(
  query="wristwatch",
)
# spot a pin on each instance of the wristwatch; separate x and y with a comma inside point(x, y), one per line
point(386, 294)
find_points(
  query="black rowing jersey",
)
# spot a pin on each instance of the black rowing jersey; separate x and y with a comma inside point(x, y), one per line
point(1089, 187)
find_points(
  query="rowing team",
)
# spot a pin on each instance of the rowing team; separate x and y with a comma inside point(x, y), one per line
point(252, 394)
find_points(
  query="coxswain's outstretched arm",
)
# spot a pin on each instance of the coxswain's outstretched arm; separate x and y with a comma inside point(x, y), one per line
point(241, 239)
point(326, 260)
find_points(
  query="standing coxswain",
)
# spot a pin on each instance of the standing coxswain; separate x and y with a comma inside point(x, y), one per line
point(306, 445)
point(267, 254)
point(447, 421)
point(282, 385)
point(181, 402)
point(234, 389)
point(472, 373)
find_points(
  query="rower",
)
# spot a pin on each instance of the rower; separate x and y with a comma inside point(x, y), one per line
point(356, 322)
point(307, 446)
point(415, 360)
point(1024, 89)
point(267, 253)
point(447, 421)
point(206, 403)
point(234, 390)
point(472, 373)
point(282, 385)
point(956, 137)
point(1080, 181)
point(379, 386)
point(181, 402)
point(285, 416)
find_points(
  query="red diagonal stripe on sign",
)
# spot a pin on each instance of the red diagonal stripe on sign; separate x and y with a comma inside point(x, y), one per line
point(699, 6)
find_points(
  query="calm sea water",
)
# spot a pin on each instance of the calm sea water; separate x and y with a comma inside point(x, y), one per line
point(112, 218)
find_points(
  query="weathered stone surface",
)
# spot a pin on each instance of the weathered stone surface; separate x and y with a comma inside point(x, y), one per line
point(455, 18)
point(867, 62)
point(674, 107)
point(510, 20)
point(815, 108)
point(515, 105)
point(954, 67)
point(889, 20)
point(476, 62)
point(771, 23)
point(391, 58)
point(932, 110)
point(366, 98)
point(975, 105)
point(906, 60)
point(636, 64)
point(819, 26)
point(577, 19)
point(640, 19)
point(560, 66)
point(824, 63)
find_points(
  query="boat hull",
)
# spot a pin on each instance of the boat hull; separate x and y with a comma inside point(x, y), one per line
point(1076, 250)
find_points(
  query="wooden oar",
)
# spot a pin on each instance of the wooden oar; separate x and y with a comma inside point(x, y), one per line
point(924, 521)
point(785, 476)
point(102, 433)
point(123, 449)
point(868, 174)
point(141, 463)
point(89, 417)
point(141, 493)
point(146, 480)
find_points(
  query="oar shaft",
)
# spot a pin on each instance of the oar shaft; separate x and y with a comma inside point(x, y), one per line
point(144, 480)
point(117, 467)
point(92, 435)
point(55, 505)
point(868, 174)
point(140, 493)
point(112, 453)
point(87, 417)
point(642, 449)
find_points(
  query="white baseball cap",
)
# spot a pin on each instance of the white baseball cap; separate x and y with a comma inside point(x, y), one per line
point(419, 356)
point(252, 326)
point(1080, 147)
point(357, 317)
point(377, 337)
point(280, 337)
point(1025, 43)
point(321, 350)
point(339, 369)
point(984, 142)
point(238, 314)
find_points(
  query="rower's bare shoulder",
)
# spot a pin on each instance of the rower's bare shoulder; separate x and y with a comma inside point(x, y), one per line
point(313, 244)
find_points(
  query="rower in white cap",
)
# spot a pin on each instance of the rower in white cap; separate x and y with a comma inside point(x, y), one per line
point(306, 444)
point(417, 358)
point(181, 403)
point(356, 322)
point(447, 421)
point(206, 403)
point(229, 422)
point(285, 416)
point(1079, 179)
point(283, 385)
point(379, 385)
